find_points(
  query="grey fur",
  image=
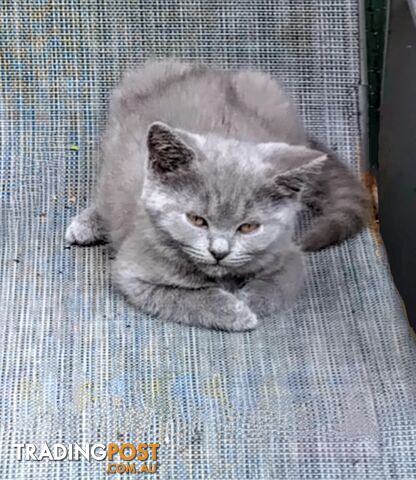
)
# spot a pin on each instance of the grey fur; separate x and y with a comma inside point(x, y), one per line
point(227, 146)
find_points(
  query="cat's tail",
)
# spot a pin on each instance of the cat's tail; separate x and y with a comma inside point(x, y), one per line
point(341, 201)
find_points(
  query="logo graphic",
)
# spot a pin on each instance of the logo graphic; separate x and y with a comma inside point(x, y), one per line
point(121, 458)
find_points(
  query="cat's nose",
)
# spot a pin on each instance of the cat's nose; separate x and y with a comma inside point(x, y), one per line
point(218, 255)
point(219, 248)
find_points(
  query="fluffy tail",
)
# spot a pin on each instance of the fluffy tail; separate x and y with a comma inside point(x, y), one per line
point(341, 201)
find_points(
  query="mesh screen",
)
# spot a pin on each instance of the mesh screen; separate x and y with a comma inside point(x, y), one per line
point(325, 391)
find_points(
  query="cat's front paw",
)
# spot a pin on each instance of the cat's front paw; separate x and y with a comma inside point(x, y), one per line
point(244, 318)
point(255, 303)
point(225, 312)
point(85, 229)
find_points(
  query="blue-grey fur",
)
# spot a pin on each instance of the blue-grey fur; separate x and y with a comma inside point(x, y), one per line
point(226, 146)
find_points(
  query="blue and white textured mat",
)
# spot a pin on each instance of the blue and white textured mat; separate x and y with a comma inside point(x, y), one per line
point(324, 392)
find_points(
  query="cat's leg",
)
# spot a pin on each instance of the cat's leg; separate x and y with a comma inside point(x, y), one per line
point(205, 307)
point(87, 228)
point(274, 292)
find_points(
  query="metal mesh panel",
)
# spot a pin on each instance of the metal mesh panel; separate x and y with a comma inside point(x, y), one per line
point(325, 391)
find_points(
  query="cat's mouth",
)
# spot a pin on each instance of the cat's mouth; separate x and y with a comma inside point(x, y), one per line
point(216, 268)
point(212, 266)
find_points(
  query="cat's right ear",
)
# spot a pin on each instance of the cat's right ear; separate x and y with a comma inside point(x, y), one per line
point(168, 153)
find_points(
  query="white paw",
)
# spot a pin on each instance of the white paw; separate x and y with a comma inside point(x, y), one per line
point(245, 318)
point(83, 229)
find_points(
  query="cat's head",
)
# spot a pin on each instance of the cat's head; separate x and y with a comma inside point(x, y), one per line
point(225, 203)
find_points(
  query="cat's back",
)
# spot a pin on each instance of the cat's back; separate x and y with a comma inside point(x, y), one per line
point(246, 105)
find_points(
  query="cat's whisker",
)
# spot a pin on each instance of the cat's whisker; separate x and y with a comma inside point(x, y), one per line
point(195, 253)
point(238, 260)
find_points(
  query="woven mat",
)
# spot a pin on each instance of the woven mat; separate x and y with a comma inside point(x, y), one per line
point(324, 392)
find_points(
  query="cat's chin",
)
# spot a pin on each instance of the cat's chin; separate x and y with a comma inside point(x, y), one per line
point(214, 270)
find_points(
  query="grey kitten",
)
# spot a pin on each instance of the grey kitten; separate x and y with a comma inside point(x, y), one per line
point(202, 176)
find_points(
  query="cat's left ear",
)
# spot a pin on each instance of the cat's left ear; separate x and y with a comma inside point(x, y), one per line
point(293, 168)
point(168, 152)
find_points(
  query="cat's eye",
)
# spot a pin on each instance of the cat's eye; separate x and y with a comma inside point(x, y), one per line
point(197, 220)
point(248, 227)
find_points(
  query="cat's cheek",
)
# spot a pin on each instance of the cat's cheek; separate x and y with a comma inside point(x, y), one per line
point(256, 242)
point(201, 245)
point(185, 234)
point(175, 225)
